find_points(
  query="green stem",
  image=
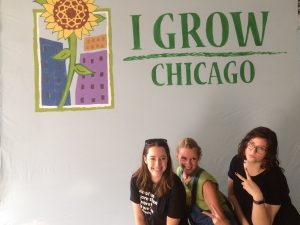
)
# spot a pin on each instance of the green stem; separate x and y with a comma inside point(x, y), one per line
point(73, 49)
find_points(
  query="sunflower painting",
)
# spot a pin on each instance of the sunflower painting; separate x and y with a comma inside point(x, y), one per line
point(73, 57)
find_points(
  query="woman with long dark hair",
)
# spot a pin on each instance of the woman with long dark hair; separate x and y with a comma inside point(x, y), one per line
point(157, 194)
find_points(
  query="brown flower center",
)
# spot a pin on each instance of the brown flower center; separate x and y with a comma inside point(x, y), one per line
point(71, 14)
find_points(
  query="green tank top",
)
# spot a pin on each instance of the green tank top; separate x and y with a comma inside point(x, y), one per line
point(204, 176)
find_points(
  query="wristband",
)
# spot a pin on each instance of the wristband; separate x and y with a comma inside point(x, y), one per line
point(259, 202)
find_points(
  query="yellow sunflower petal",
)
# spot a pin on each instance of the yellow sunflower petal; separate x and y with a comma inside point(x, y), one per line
point(50, 19)
point(46, 14)
point(88, 26)
point(89, 1)
point(50, 2)
point(93, 24)
point(60, 35)
point(50, 25)
point(92, 17)
point(91, 7)
point(78, 33)
point(85, 31)
point(67, 33)
point(49, 8)
point(57, 28)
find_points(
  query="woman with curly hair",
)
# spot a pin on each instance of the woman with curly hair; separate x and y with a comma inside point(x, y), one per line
point(257, 187)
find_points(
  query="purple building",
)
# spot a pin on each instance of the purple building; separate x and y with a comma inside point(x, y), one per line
point(93, 89)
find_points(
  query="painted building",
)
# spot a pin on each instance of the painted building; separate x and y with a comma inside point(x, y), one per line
point(95, 42)
point(93, 89)
point(53, 73)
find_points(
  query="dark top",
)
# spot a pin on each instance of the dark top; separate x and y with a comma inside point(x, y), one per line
point(155, 209)
point(275, 190)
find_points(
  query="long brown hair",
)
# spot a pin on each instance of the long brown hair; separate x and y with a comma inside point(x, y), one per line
point(143, 175)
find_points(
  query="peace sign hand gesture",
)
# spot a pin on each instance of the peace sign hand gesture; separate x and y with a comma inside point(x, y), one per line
point(250, 186)
point(216, 218)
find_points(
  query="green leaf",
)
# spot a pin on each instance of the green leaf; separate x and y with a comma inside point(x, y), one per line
point(83, 70)
point(62, 55)
point(41, 2)
point(99, 18)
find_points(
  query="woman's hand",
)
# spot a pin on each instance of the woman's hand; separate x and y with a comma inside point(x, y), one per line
point(250, 186)
point(216, 218)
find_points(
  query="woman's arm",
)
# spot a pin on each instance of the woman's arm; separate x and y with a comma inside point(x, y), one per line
point(138, 214)
point(262, 214)
point(236, 206)
point(172, 221)
point(211, 198)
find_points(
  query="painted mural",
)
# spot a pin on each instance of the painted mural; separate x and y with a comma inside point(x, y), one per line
point(242, 30)
point(73, 57)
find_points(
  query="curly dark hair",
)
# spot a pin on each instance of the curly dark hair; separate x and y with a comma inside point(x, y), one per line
point(271, 158)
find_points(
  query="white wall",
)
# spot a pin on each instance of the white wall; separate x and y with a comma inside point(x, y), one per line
point(63, 168)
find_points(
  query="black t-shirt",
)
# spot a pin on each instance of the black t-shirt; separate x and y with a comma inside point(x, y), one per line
point(155, 209)
point(275, 190)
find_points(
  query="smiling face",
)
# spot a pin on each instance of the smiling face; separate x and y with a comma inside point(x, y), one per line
point(188, 160)
point(256, 149)
point(156, 161)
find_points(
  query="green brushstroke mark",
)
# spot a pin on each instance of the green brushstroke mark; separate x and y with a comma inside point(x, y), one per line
point(196, 54)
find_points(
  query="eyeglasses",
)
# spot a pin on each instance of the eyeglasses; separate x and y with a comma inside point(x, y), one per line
point(156, 140)
point(258, 149)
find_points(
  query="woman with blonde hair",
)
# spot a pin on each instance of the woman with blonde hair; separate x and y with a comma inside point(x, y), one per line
point(206, 203)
